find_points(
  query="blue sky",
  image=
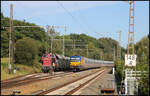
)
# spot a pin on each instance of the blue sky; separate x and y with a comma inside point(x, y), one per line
point(95, 18)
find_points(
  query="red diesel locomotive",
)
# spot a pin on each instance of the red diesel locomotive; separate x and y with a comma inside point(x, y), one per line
point(48, 62)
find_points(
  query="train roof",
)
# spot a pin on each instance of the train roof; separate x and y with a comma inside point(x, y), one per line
point(74, 56)
point(93, 60)
point(62, 57)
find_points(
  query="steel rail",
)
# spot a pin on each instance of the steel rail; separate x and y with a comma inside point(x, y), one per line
point(82, 85)
point(30, 80)
point(56, 88)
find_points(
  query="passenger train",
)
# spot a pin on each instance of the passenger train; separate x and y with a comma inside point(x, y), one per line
point(57, 62)
point(78, 63)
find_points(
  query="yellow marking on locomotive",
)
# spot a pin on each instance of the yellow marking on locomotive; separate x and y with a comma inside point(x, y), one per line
point(77, 63)
point(81, 60)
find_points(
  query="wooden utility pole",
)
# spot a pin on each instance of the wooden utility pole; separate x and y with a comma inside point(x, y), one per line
point(11, 40)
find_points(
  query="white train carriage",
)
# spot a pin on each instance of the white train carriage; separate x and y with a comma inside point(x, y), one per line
point(81, 63)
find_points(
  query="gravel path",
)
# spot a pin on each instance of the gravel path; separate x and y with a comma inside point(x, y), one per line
point(105, 81)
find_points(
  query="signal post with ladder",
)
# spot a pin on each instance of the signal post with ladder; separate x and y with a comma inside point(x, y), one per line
point(130, 82)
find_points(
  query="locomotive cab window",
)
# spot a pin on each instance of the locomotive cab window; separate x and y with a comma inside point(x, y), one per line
point(44, 55)
point(75, 59)
point(52, 56)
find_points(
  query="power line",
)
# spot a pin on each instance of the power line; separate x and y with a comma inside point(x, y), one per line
point(24, 26)
point(83, 20)
point(29, 17)
point(89, 27)
point(71, 16)
point(4, 7)
point(75, 19)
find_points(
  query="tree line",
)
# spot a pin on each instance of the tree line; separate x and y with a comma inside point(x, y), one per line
point(31, 43)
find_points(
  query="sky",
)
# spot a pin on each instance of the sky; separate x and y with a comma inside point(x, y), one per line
point(94, 18)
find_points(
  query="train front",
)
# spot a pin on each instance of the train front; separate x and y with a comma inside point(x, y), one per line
point(75, 63)
point(46, 63)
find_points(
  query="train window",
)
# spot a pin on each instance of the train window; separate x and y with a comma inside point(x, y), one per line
point(75, 59)
point(52, 56)
point(44, 55)
point(57, 57)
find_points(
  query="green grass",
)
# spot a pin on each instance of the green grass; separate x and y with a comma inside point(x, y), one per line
point(24, 69)
point(4, 60)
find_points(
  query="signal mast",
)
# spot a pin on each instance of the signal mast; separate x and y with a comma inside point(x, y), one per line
point(130, 81)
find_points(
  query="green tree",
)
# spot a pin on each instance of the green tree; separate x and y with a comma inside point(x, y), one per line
point(26, 51)
point(142, 51)
point(35, 33)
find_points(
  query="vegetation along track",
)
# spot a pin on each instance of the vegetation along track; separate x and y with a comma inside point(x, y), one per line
point(73, 86)
point(23, 80)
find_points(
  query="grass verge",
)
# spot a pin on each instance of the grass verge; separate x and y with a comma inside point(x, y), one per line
point(23, 69)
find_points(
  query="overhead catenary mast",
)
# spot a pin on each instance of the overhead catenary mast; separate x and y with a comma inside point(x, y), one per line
point(47, 38)
point(131, 29)
point(52, 37)
point(130, 57)
point(11, 40)
point(119, 48)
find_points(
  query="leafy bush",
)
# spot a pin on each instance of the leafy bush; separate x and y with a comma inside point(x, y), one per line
point(4, 64)
point(26, 51)
point(142, 51)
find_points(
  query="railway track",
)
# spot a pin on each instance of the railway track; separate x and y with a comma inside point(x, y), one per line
point(18, 77)
point(23, 80)
point(71, 87)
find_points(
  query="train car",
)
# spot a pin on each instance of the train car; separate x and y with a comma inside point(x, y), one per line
point(53, 61)
point(67, 63)
point(57, 62)
point(63, 63)
point(48, 62)
point(78, 63)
